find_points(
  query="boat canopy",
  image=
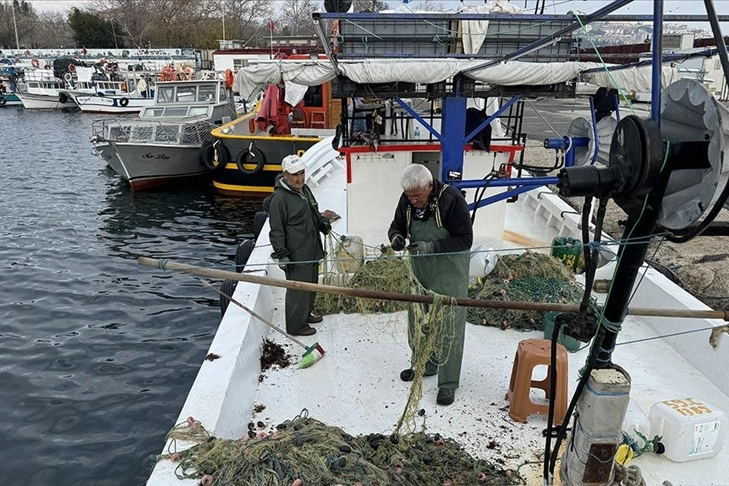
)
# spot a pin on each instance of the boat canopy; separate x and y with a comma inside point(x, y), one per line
point(427, 71)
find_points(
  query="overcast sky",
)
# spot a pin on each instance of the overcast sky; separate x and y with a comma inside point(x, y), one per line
point(678, 7)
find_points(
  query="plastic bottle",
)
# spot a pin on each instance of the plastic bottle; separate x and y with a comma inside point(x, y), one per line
point(416, 132)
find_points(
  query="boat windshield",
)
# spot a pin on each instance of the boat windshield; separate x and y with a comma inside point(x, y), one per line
point(197, 93)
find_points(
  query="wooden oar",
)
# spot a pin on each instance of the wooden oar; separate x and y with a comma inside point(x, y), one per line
point(422, 299)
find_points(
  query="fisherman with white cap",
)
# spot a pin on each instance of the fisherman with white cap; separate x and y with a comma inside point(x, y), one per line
point(296, 225)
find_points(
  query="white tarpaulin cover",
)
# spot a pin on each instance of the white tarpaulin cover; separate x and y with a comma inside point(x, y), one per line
point(474, 31)
point(636, 78)
point(424, 71)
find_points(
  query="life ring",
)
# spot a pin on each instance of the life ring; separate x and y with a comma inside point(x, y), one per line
point(35, 62)
point(68, 77)
point(71, 68)
point(250, 156)
point(228, 288)
point(214, 155)
point(229, 79)
point(62, 97)
point(124, 101)
point(243, 253)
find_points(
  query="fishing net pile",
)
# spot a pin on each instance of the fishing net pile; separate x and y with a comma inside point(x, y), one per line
point(528, 277)
point(386, 274)
point(305, 451)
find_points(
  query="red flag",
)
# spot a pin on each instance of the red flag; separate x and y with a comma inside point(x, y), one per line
point(271, 25)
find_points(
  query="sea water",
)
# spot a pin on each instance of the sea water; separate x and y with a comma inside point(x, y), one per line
point(97, 354)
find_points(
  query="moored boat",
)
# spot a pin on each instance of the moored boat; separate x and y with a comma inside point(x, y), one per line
point(162, 146)
point(287, 120)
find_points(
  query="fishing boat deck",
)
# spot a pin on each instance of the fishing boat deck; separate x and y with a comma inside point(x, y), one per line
point(356, 385)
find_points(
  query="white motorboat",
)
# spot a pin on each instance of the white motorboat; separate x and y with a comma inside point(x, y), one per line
point(162, 145)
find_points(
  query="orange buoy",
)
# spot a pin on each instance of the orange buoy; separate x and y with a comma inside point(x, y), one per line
point(229, 79)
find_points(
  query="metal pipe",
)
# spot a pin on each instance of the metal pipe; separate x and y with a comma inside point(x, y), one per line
point(519, 17)
point(516, 181)
point(657, 73)
point(325, 45)
point(718, 37)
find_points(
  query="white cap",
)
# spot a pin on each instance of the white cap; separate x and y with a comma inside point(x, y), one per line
point(292, 164)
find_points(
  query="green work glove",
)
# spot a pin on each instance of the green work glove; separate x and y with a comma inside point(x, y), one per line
point(398, 242)
point(283, 263)
point(421, 247)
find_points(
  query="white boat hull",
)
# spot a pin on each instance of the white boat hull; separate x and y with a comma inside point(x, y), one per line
point(113, 105)
point(152, 165)
point(45, 102)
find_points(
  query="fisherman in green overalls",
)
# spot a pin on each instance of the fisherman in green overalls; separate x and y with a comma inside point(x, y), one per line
point(435, 218)
point(295, 226)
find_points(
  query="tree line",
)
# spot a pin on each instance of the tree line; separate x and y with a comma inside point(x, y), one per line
point(160, 23)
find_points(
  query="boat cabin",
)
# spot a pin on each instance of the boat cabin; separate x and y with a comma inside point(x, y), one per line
point(183, 99)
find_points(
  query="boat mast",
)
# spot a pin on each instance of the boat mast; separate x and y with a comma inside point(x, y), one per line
point(15, 26)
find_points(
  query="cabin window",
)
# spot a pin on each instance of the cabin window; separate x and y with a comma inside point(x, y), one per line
point(176, 111)
point(207, 93)
point(166, 94)
point(186, 94)
point(314, 96)
point(223, 93)
point(153, 112)
point(198, 111)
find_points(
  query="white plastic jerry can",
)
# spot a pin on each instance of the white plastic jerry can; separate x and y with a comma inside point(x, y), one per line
point(350, 254)
point(690, 428)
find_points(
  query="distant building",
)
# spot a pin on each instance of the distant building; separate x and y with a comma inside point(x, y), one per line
point(233, 54)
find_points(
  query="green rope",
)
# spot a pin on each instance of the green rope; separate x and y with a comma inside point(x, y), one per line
point(621, 91)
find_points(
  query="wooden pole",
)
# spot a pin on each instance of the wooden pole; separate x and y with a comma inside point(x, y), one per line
point(422, 299)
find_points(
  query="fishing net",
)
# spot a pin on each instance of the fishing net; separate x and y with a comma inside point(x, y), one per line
point(305, 451)
point(386, 274)
point(529, 277)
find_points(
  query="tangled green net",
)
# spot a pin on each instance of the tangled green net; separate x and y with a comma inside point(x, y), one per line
point(530, 277)
point(307, 450)
point(386, 274)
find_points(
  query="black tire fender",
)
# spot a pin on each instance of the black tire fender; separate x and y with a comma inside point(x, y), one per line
point(62, 97)
point(243, 253)
point(228, 288)
point(207, 155)
point(124, 101)
point(258, 221)
point(250, 156)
